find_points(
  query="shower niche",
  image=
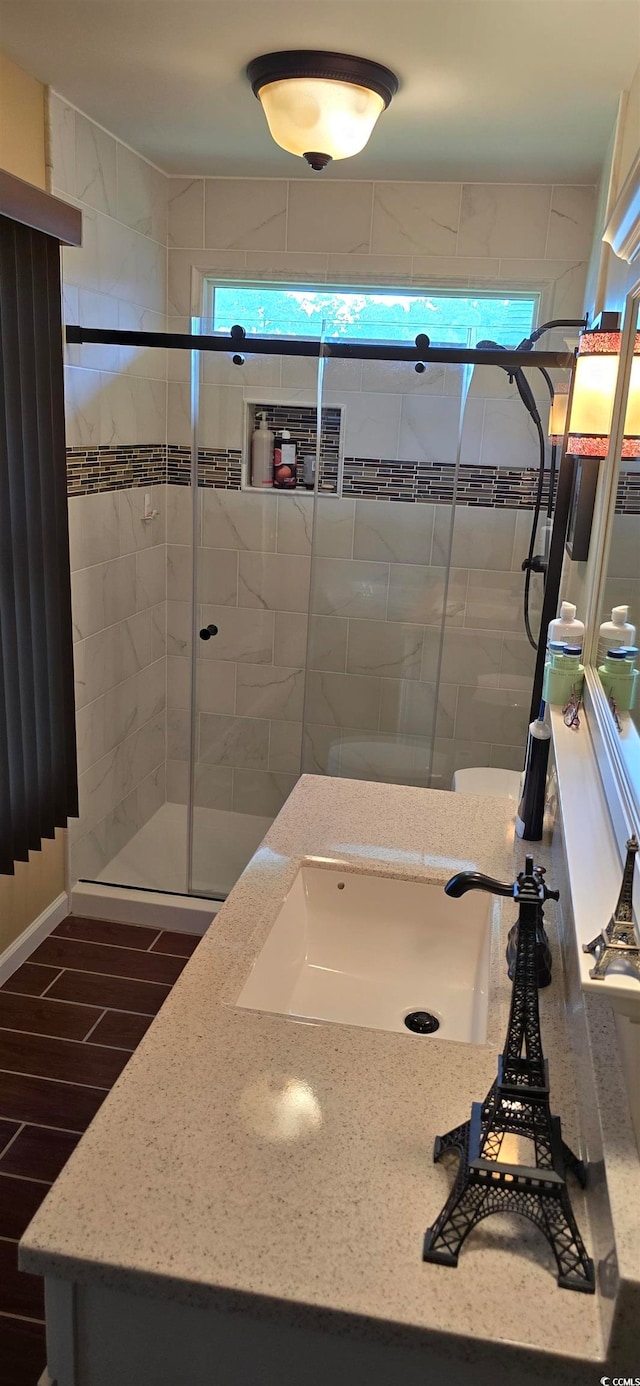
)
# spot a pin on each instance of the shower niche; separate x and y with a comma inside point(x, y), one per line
point(300, 420)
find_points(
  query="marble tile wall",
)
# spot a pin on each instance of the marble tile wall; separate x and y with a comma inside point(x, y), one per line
point(437, 235)
point(378, 653)
point(373, 618)
point(116, 278)
point(115, 402)
point(253, 584)
point(118, 589)
point(378, 585)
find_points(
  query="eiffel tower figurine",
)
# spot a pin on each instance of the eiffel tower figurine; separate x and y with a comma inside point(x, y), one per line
point(618, 941)
point(517, 1104)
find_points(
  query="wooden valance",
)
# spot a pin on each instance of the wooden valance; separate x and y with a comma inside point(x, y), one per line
point(30, 206)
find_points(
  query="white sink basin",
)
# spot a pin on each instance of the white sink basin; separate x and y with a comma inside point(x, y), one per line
point(369, 950)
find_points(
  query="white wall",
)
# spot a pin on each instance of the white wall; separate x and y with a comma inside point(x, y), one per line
point(22, 141)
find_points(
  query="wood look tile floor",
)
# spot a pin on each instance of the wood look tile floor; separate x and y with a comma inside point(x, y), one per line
point(69, 1020)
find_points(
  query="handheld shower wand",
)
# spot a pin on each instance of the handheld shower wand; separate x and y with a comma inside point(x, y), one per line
point(516, 377)
point(535, 563)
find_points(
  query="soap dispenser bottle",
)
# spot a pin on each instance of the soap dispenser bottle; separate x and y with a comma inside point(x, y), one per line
point(262, 454)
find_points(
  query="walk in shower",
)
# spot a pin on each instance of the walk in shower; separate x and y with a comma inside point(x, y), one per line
point(370, 627)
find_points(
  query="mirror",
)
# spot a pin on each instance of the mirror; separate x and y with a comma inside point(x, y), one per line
point(615, 641)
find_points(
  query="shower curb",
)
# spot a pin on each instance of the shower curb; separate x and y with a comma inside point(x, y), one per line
point(183, 914)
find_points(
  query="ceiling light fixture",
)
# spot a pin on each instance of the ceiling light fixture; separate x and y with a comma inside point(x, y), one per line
point(321, 106)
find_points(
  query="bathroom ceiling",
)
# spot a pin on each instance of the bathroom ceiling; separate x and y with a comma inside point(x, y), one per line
point(522, 90)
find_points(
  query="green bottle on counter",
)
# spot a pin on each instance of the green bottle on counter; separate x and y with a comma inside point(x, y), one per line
point(619, 677)
point(563, 673)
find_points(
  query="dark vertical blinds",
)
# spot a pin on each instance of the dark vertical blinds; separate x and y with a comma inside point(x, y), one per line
point(38, 775)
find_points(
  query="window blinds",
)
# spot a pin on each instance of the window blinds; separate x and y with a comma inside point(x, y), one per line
point(38, 775)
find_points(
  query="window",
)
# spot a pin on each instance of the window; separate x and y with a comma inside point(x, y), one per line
point(378, 315)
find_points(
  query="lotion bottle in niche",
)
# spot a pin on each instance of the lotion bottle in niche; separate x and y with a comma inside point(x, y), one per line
point(262, 454)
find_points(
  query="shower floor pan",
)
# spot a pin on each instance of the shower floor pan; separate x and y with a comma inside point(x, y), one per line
point(155, 858)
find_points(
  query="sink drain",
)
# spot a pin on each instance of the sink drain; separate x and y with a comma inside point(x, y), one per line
point(422, 1022)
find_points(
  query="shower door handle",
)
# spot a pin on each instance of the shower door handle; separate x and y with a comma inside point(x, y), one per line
point(208, 631)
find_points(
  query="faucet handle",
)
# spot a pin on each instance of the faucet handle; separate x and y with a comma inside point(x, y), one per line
point(529, 887)
point(474, 880)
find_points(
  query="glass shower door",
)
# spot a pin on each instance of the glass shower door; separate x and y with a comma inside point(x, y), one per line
point(486, 652)
point(252, 555)
point(381, 582)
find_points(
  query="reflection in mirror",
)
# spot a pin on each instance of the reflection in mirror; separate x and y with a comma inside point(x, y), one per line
point(617, 650)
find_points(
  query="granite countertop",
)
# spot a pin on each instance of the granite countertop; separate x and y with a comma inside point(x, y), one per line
point(192, 1185)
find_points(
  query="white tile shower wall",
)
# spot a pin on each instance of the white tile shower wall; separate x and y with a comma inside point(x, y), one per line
point(376, 605)
point(437, 235)
point(116, 278)
point(379, 583)
point(118, 586)
point(253, 584)
point(376, 651)
point(115, 396)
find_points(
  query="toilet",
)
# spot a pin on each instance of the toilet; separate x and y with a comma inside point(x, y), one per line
point(385, 758)
point(388, 759)
point(484, 779)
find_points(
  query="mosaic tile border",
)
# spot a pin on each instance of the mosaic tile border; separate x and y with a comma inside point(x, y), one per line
point(119, 468)
point(628, 494)
point(220, 468)
point(433, 482)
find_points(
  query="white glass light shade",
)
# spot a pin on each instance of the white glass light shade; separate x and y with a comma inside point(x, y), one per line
point(594, 389)
point(593, 396)
point(314, 115)
point(558, 415)
point(593, 393)
point(631, 443)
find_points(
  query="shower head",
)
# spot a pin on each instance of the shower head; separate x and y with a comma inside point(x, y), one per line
point(488, 345)
point(518, 376)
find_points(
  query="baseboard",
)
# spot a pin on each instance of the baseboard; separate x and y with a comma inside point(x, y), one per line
point(20, 950)
point(184, 914)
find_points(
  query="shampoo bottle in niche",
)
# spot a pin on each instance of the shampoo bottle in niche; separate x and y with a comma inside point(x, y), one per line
point(615, 633)
point(284, 460)
point(566, 630)
point(530, 815)
point(262, 454)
